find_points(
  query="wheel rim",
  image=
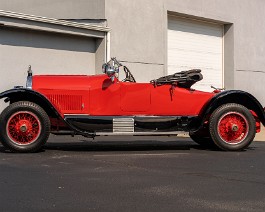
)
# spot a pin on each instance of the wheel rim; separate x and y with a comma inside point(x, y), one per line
point(23, 128)
point(233, 128)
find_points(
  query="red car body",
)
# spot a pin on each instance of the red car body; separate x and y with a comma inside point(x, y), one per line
point(103, 105)
point(99, 96)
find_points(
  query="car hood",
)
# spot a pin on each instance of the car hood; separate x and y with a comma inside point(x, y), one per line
point(66, 81)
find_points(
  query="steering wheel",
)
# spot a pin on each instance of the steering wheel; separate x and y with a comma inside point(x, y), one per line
point(128, 75)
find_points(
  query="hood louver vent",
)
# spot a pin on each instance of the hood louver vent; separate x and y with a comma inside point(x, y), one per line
point(66, 102)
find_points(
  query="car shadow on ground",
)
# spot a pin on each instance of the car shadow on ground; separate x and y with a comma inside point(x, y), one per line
point(114, 146)
point(138, 145)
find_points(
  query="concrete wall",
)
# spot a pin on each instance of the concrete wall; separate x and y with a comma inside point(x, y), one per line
point(137, 36)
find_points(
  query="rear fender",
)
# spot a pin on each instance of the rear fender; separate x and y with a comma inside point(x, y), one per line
point(233, 96)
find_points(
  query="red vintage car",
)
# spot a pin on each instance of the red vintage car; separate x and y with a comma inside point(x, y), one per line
point(104, 105)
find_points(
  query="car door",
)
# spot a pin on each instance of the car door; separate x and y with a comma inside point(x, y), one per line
point(135, 98)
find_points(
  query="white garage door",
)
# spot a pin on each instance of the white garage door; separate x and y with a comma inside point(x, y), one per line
point(194, 44)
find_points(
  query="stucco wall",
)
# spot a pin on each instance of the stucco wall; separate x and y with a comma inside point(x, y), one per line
point(138, 36)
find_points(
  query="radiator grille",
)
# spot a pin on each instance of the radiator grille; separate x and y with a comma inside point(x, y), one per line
point(66, 102)
point(123, 125)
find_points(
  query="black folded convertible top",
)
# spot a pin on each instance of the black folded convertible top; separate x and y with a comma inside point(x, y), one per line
point(183, 79)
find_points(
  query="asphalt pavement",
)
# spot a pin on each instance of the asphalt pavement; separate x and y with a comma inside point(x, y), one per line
point(132, 174)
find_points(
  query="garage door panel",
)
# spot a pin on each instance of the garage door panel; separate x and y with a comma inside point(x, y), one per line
point(206, 46)
point(47, 53)
point(195, 60)
point(193, 27)
point(194, 44)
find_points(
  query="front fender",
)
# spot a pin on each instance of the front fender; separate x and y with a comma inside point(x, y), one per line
point(24, 94)
point(233, 96)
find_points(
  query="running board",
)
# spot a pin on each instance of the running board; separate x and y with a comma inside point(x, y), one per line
point(140, 133)
point(130, 125)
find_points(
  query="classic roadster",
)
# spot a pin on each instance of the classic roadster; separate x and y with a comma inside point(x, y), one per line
point(104, 105)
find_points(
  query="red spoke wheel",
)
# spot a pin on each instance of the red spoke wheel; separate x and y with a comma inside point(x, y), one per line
point(26, 127)
point(232, 127)
point(23, 128)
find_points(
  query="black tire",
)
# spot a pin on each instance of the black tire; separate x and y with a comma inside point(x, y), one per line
point(203, 139)
point(232, 127)
point(24, 127)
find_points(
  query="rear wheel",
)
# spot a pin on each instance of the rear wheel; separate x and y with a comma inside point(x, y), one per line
point(232, 127)
point(25, 127)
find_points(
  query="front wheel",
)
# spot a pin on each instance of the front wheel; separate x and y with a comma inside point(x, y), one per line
point(24, 127)
point(232, 127)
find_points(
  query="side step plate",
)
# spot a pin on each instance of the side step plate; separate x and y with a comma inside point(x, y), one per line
point(123, 125)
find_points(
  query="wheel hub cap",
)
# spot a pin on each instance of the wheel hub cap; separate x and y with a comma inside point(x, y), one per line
point(23, 128)
point(234, 128)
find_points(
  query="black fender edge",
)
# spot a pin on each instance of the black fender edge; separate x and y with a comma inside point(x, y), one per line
point(231, 96)
point(24, 94)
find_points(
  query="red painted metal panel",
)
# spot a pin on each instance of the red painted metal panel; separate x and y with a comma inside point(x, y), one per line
point(100, 96)
point(168, 100)
point(135, 97)
point(105, 98)
point(68, 102)
point(67, 82)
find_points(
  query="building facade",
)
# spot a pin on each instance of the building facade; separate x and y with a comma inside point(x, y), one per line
point(224, 38)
